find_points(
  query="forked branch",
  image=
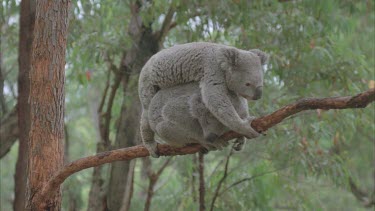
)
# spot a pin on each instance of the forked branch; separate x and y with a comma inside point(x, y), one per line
point(261, 124)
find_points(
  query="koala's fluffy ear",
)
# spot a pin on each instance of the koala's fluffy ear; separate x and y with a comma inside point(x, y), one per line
point(228, 58)
point(263, 56)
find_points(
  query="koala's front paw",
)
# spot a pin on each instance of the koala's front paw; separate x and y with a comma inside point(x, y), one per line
point(152, 149)
point(249, 132)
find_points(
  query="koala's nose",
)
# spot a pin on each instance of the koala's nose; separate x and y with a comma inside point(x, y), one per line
point(258, 93)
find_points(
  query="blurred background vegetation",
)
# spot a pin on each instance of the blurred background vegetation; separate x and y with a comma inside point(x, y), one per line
point(316, 160)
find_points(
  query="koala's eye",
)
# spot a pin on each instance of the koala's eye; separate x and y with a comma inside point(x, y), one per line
point(248, 84)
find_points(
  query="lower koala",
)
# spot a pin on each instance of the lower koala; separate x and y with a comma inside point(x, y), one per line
point(179, 117)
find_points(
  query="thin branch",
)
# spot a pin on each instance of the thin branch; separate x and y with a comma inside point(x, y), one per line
point(193, 176)
point(9, 131)
point(153, 178)
point(108, 113)
point(367, 199)
point(158, 173)
point(216, 168)
point(260, 124)
point(250, 178)
point(202, 188)
point(216, 194)
point(104, 97)
point(166, 24)
point(172, 25)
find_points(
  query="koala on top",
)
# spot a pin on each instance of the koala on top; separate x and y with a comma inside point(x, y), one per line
point(179, 116)
point(217, 68)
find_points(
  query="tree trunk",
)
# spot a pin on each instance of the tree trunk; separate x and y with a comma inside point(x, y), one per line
point(27, 17)
point(145, 45)
point(126, 136)
point(46, 98)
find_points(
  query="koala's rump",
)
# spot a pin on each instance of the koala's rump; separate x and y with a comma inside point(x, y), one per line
point(170, 107)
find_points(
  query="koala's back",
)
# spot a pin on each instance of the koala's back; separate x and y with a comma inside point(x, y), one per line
point(179, 64)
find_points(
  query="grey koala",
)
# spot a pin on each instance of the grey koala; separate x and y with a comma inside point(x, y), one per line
point(217, 68)
point(179, 116)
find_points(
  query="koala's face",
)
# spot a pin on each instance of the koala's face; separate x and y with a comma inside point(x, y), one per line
point(245, 77)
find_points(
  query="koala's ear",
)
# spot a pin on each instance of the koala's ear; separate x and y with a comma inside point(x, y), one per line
point(263, 56)
point(228, 58)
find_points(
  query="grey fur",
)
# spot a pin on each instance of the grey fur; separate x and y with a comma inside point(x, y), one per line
point(179, 116)
point(217, 68)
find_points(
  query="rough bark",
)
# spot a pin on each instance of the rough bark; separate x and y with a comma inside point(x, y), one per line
point(261, 124)
point(46, 98)
point(27, 21)
point(8, 132)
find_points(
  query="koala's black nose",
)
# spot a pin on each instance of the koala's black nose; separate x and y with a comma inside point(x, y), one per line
point(258, 93)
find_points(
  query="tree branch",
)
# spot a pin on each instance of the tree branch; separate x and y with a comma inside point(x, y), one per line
point(166, 24)
point(251, 178)
point(367, 199)
point(220, 183)
point(202, 189)
point(260, 124)
point(9, 131)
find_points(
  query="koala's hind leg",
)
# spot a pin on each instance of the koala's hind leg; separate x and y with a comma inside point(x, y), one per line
point(177, 136)
point(216, 141)
point(239, 144)
point(148, 135)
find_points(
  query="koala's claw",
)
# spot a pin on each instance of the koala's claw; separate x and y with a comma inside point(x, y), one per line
point(239, 144)
point(152, 149)
point(204, 151)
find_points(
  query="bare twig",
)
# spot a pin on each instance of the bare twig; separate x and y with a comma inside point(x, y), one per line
point(250, 178)
point(193, 178)
point(158, 173)
point(108, 113)
point(202, 189)
point(102, 101)
point(225, 174)
point(9, 131)
point(260, 124)
point(367, 199)
point(153, 178)
point(166, 24)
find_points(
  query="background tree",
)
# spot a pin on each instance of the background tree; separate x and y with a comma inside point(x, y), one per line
point(27, 22)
